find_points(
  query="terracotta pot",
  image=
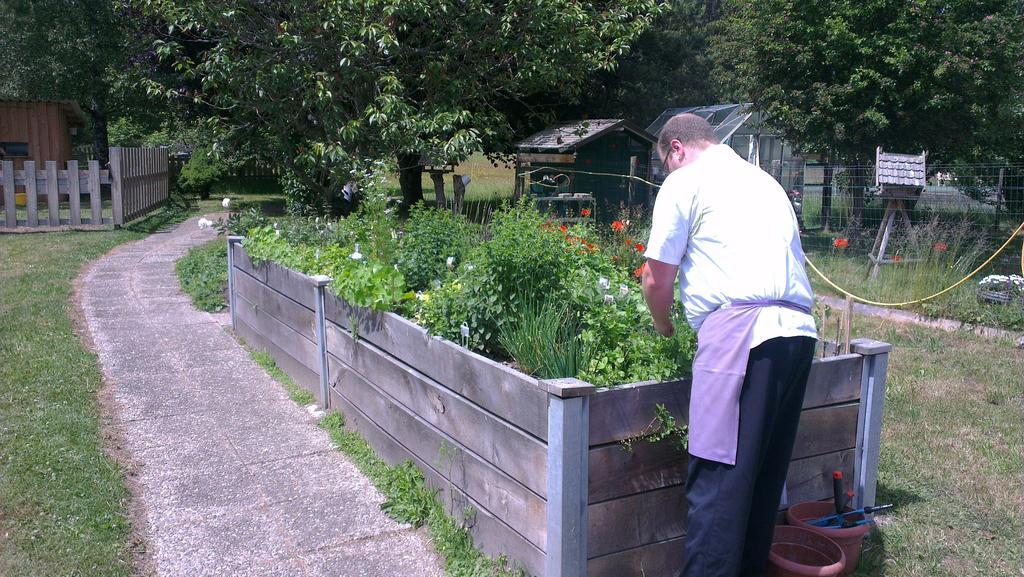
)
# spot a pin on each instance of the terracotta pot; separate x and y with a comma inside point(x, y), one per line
point(798, 552)
point(849, 539)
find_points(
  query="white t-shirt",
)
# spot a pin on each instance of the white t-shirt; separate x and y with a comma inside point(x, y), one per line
point(731, 229)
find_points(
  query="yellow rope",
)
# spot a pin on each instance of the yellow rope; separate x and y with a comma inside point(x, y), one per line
point(932, 296)
point(810, 263)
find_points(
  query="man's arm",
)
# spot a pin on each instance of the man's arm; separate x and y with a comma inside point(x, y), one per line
point(659, 280)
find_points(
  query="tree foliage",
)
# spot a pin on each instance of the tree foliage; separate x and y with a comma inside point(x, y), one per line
point(846, 76)
point(329, 85)
point(669, 66)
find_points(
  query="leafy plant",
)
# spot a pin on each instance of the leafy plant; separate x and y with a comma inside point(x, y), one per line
point(661, 428)
point(433, 243)
point(203, 274)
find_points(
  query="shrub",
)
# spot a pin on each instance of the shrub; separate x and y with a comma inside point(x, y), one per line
point(434, 242)
point(200, 172)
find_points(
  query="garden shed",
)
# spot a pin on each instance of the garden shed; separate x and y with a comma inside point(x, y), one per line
point(38, 130)
point(587, 157)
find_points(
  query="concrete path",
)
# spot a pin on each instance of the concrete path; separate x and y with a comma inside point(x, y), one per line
point(233, 478)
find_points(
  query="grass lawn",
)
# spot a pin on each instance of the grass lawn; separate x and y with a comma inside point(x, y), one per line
point(62, 502)
point(951, 456)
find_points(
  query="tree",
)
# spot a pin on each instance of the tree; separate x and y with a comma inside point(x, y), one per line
point(330, 86)
point(669, 66)
point(842, 77)
point(63, 49)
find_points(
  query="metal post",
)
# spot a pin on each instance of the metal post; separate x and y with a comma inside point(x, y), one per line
point(232, 241)
point(321, 283)
point(869, 421)
point(568, 447)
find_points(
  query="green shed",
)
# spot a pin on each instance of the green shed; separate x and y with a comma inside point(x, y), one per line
point(583, 157)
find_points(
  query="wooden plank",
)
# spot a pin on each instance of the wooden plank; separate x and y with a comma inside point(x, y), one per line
point(74, 192)
point(540, 157)
point(280, 334)
point(489, 436)
point(496, 492)
point(615, 472)
point(627, 411)
point(810, 479)
point(30, 193)
point(52, 194)
point(295, 285)
point(826, 430)
point(662, 559)
point(489, 533)
point(292, 314)
point(95, 205)
point(116, 184)
point(834, 380)
point(302, 376)
point(636, 520)
point(245, 264)
point(493, 386)
point(10, 208)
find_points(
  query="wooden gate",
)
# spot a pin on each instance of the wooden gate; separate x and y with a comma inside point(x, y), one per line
point(139, 181)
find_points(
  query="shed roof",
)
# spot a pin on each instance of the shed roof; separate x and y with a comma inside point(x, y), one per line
point(725, 119)
point(571, 135)
point(70, 107)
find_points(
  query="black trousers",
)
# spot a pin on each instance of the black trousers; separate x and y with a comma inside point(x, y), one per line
point(732, 508)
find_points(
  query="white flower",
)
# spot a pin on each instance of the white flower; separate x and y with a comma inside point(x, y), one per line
point(205, 223)
point(226, 202)
point(470, 266)
point(623, 290)
point(436, 283)
point(356, 255)
point(609, 299)
point(450, 262)
point(603, 283)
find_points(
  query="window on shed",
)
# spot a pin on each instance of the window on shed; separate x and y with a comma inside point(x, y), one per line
point(13, 149)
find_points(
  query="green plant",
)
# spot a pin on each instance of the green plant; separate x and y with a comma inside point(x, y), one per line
point(661, 428)
point(203, 168)
point(434, 242)
point(203, 274)
point(240, 222)
point(544, 340)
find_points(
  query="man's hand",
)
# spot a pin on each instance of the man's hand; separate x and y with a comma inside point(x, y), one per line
point(659, 280)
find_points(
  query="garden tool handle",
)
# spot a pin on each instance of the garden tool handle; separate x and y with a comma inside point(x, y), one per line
point(837, 493)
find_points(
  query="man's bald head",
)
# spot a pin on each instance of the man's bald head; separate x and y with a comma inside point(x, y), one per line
point(689, 129)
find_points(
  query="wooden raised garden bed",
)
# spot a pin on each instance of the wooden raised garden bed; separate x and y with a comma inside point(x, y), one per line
point(536, 468)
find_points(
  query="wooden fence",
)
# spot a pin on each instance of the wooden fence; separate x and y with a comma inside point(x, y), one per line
point(536, 468)
point(73, 195)
point(139, 181)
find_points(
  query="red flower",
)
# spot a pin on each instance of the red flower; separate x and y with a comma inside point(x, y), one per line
point(617, 226)
point(629, 242)
point(639, 247)
point(590, 246)
point(563, 228)
point(639, 272)
point(841, 242)
point(940, 247)
point(615, 258)
point(585, 212)
point(897, 258)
